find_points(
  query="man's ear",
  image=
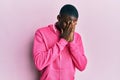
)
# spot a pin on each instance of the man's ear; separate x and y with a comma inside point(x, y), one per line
point(58, 17)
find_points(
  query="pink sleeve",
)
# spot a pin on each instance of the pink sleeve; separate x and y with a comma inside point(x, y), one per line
point(42, 56)
point(77, 51)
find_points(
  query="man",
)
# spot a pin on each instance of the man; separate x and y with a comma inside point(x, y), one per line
point(58, 49)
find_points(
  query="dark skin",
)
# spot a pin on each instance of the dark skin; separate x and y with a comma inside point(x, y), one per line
point(66, 25)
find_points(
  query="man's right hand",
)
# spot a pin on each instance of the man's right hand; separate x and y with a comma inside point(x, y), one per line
point(68, 32)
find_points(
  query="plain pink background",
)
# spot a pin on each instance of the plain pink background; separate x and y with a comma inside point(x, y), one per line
point(99, 25)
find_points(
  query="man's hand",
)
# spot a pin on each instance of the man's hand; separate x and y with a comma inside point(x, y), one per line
point(68, 32)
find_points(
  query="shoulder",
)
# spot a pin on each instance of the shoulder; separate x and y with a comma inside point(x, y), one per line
point(44, 29)
point(77, 35)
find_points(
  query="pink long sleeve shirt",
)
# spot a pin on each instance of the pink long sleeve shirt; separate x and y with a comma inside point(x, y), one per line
point(56, 58)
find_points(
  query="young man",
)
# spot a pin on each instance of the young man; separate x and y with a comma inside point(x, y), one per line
point(58, 49)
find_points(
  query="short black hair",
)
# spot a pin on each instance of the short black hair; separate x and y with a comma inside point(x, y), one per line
point(70, 10)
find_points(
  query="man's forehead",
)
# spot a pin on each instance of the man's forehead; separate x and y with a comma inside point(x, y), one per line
point(68, 17)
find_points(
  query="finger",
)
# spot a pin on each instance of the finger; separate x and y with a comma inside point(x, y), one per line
point(73, 26)
point(68, 26)
point(69, 23)
point(61, 31)
point(69, 30)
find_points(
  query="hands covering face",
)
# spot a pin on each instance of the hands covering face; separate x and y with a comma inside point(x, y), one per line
point(68, 28)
